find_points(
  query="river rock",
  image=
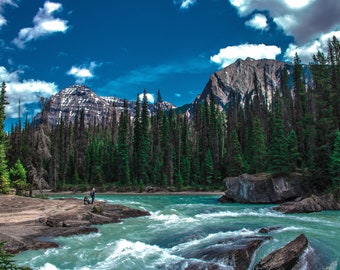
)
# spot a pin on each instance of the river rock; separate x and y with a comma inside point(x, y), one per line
point(262, 188)
point(285, 258)
point(236, 253)
point(310, 204)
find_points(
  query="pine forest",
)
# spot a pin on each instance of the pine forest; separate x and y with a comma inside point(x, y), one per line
point(296, 131)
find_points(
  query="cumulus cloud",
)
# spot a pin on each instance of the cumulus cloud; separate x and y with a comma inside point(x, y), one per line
point(44, 24)
point(185, 4)
point(258, 21)
point(27, 91)
point(307, 50)
point(82, 73)
point(3, 3)
point(230, 54)
point(150, 97)
point(308, 21)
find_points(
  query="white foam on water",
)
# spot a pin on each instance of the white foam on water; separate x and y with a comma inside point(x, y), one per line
point(128, 255)
point(48, 266)
point(212, 237)
point(314, 220)
point(263, 212)
point(333, 266)
point(168, 219)
point(290, 228)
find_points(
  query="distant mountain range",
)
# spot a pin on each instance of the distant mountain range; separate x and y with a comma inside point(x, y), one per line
point(235, 79)
point(71, 101)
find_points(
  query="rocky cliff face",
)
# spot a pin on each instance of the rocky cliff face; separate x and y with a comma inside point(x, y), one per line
point(239, 78)
point(71, 101)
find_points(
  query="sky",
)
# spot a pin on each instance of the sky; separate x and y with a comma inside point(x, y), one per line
point(121, 48)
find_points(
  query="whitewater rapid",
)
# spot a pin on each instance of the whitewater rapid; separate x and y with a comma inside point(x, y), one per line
point(181, 225)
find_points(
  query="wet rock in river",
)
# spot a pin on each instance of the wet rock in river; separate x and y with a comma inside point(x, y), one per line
point(310, 204)
point(285, 258)
point(231, 253)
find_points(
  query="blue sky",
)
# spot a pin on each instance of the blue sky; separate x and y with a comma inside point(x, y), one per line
point(120, 48)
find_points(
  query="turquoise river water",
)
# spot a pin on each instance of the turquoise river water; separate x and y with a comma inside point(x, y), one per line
point(182, 223)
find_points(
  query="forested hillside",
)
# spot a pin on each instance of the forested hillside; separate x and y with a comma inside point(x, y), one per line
point(296, 131)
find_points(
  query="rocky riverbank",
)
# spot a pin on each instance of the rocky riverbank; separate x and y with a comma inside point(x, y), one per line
point(25, 221)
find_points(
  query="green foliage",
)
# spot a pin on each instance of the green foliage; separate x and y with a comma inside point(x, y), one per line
point(293, 131)
point(18, 178)
point(4, 174)
point(278, 147)
point(294, 156)
point(334, 166)
point(6, 261)
point(257, 148)
point(237, 164)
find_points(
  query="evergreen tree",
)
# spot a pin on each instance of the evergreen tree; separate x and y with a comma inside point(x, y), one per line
point(4, 173)
point(334, 61)
point(123, 155)
point(334, 166)
point(294, 156)
point(258, 148)
point(137, 140)
point(157, 173)
point(18, 178)
point(278, 148)
point(144, 150)
point(236, 163)
point(3, 103)
point(208, 168)
point(325, 123)
point(167, 151)
point(299, 104)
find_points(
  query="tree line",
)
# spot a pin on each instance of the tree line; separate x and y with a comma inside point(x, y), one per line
point(297, 130)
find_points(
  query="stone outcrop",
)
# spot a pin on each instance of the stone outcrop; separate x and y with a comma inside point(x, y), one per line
point(24, 221)
point(262, 188)
point(285, 258)
point(311, 204)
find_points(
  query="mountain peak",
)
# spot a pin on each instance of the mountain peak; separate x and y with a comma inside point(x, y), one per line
point(238, 79)
point(76, 89)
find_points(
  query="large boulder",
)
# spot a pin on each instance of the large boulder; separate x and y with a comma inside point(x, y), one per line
point(263, 188)
point(285, 258)
point(311, 204)
point(231, 253)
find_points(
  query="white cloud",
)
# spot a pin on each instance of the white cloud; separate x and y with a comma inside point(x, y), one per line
point(82, 73)
point(185, 4)
point(298, 4)
point(230, 54)
point(307, 21)
point(258, 21)
point(307, 50)
point(150, 97)
point(28, 91)
point(44, 24)
point(3, 20)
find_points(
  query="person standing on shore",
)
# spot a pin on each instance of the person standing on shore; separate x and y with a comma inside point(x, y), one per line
point(93, 194)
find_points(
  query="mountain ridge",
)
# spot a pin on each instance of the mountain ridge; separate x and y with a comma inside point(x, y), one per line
point(78, 98)
point(240, 78)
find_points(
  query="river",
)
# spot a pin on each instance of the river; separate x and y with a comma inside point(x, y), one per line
point(182, 223)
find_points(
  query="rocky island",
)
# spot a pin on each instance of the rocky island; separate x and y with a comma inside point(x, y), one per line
point(25, 221)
